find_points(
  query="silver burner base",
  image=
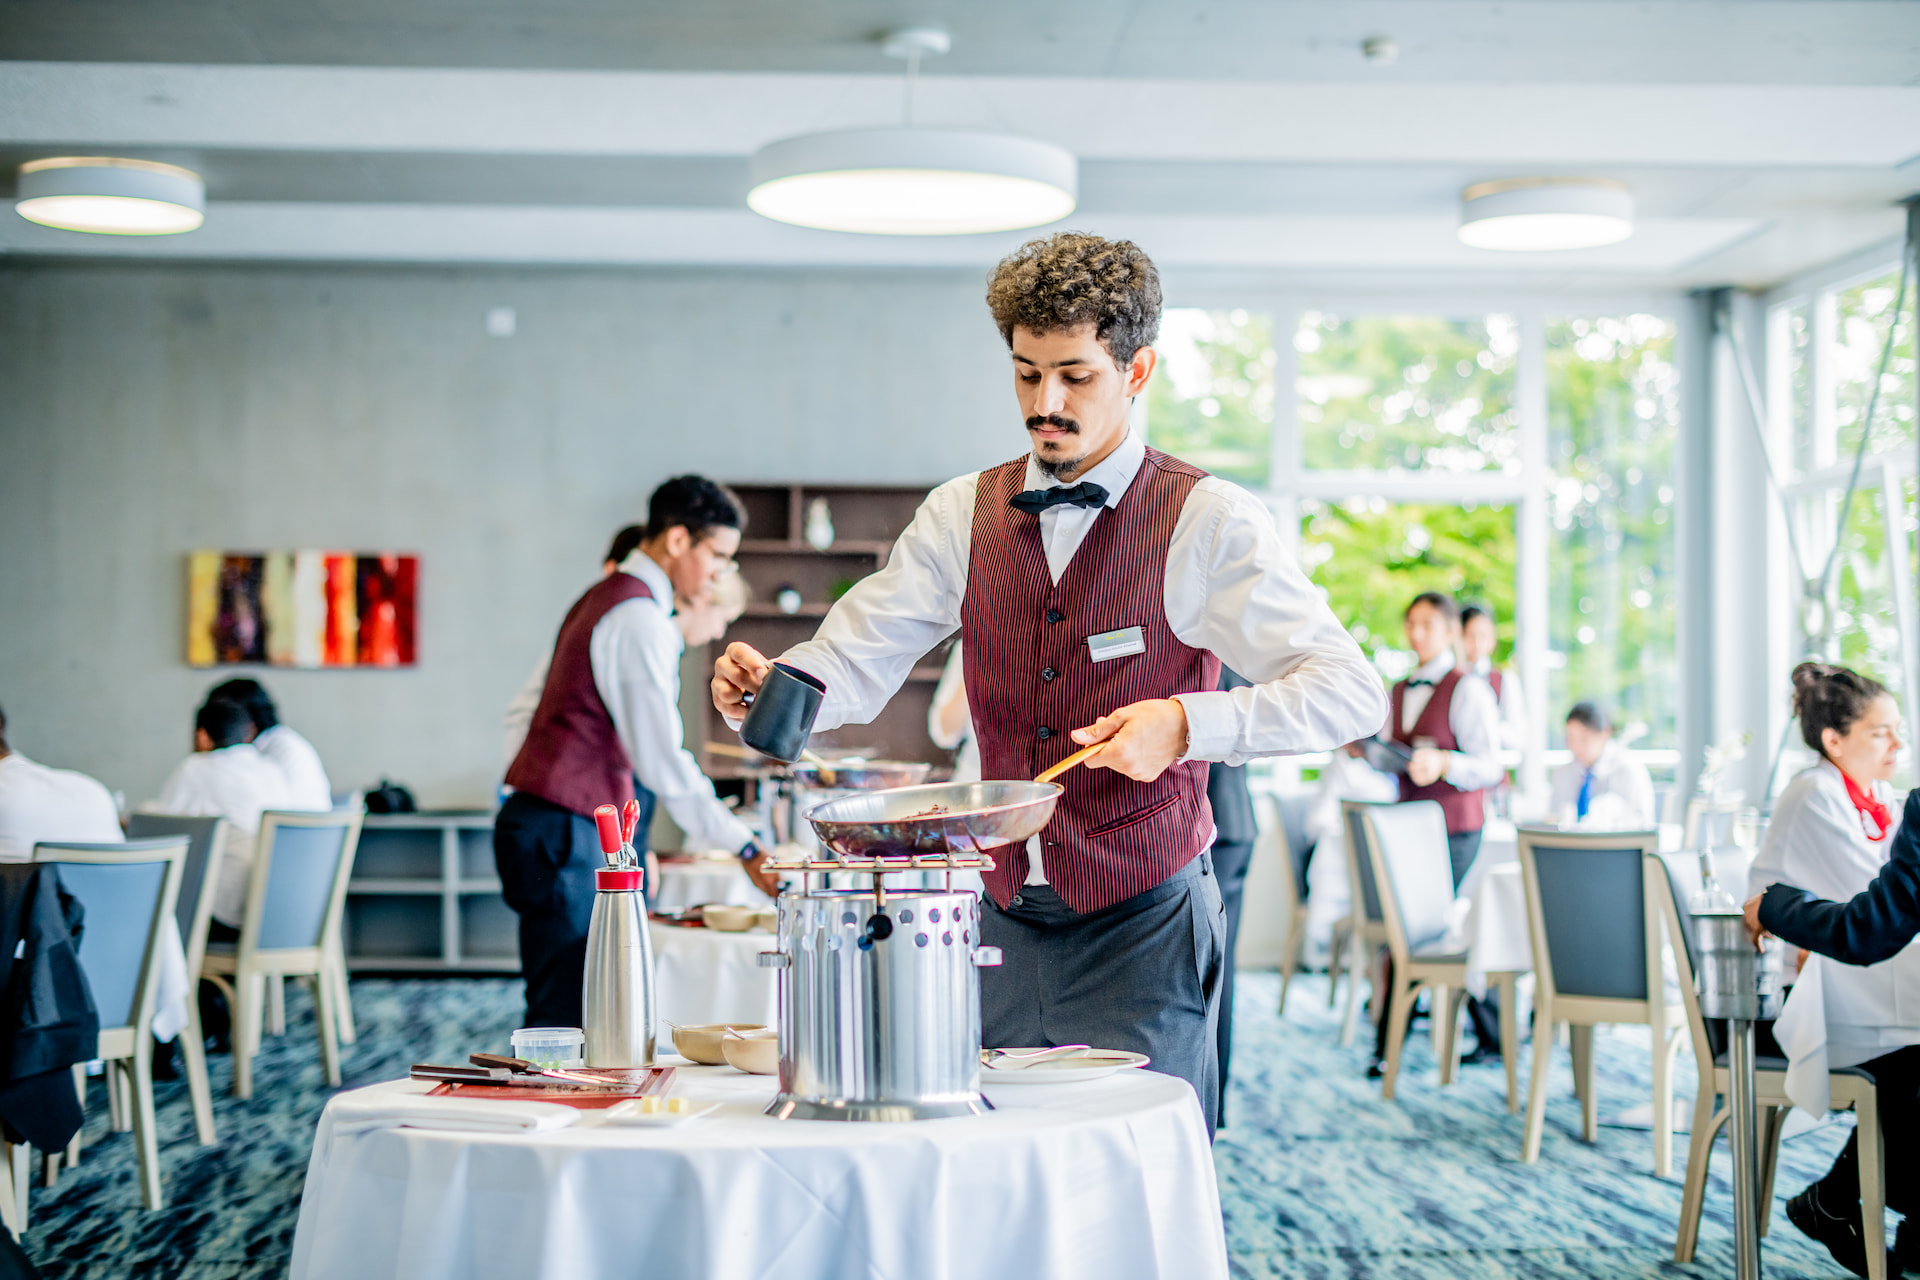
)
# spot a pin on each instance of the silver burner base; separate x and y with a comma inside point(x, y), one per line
point(786, 1108)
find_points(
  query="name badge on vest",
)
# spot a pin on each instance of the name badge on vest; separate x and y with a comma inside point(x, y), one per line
point(1123, 643)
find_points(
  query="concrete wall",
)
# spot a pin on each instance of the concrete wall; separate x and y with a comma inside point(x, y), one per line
point(146, 412)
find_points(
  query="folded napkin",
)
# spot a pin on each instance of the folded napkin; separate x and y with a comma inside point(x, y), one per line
point(404, 1104)
point(1801, 1031)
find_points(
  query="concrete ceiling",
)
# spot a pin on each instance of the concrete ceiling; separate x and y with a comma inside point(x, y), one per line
point(1760, 138)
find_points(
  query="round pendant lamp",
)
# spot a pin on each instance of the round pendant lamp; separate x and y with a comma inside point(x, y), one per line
point(1524, 215)
point(913, 182)
point(109, 196)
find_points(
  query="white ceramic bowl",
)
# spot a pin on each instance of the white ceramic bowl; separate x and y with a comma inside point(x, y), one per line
point(702, 1043)
point(727, 918)
point(755, 1052)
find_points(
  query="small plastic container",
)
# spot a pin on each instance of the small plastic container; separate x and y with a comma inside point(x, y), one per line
point(551, 1046)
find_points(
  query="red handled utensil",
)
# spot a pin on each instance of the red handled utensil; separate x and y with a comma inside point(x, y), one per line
point(607, 819)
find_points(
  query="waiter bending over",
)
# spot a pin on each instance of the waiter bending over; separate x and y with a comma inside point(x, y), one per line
point(1100, 585)
point(610, 712)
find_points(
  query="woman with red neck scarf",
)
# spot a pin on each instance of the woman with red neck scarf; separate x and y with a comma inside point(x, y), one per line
point(1831, 834)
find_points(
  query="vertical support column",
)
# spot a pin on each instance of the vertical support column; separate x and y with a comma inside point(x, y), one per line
point(1693, 535)
point(1898, 571)
point(450, 950)
point(1531, 595)
point(1285, 454)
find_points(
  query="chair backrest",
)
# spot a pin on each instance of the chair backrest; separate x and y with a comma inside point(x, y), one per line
point(1407, 847)
point(1672, 880)
point(1366, 895)
point(301, 863)
point(1272, 843)
point(193, 908)
point(1293, 808)
point(1587, 911)
point(128, 891)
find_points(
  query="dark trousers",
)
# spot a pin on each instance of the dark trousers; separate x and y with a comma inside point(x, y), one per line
point(1231, 859)
point(546, 856)
point(1462, 848)
point(1896, 1088)
point(1142, 975)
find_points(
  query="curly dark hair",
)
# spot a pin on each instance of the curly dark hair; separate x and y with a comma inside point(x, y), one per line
point(1830, 697)
point(1071, 278)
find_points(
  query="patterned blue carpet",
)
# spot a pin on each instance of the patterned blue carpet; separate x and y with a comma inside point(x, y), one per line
point(1319, 1178)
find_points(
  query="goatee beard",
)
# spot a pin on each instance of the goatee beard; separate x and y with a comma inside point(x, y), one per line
point(1062, 468)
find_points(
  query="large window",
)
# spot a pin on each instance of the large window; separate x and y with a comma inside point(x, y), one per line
point(1213, 401)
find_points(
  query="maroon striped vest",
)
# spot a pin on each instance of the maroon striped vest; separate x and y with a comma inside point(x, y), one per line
point(1493, 678)
point(1030, 680)
point(572, 756)
point(1465, 810)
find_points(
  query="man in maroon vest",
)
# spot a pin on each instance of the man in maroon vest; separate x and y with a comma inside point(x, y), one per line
point(608, 714)
point(1099, 585)
point(1448, 716)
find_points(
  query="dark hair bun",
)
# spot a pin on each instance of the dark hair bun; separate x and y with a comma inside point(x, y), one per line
point(1826, 696)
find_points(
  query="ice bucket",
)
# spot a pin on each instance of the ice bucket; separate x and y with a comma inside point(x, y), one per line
point(1735, 980)
point(879, 1005)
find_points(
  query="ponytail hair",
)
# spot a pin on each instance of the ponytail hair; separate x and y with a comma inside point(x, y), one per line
point(1829, 697)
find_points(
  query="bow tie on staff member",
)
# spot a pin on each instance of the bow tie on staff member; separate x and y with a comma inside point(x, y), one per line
point(1100, 584)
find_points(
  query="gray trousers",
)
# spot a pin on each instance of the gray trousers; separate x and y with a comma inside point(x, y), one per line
point(1142, 975)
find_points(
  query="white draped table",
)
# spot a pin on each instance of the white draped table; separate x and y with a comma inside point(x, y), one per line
point(1112, 1178)
point(703, 976)
point(695, 882)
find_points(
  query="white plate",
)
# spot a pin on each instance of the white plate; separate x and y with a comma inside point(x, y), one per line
point(628, 1115)
point(1088, 1066)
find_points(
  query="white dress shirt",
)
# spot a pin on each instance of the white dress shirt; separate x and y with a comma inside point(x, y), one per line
point(1230, 587)
point(296, 758)
point(525, 703)
point(1816, 841)
point(1513, 704)
point(1472, 716)
point(237, 783)
point(635, 651)
point(38, 803)
point(1619, 779)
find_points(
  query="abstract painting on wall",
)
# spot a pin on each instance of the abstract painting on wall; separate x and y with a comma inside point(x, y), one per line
point(301, 608)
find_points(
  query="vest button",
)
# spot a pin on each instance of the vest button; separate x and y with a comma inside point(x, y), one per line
point(1045, 733)
point(1054, 615)
point(1049, 674)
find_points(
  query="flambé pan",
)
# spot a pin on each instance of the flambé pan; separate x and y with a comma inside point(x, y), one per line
point(945, 817)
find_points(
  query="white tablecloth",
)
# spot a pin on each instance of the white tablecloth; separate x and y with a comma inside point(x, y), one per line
point(1494, 927)
point(170, 1006)
point(1111, 1179)
point(694, 884)
point(704, 975)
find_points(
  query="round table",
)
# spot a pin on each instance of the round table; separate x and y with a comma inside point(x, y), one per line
point(1111, 1178)
point(703, 975)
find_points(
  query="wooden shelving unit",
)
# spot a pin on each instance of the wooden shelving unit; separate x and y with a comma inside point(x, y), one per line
point(866, 520)
point(424, 897)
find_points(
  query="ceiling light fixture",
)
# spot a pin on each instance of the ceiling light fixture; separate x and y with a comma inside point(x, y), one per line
point(1535, 214)
point(106, 195)
point(913, 182)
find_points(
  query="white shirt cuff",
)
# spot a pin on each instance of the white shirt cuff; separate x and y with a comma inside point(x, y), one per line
point(1213, 725)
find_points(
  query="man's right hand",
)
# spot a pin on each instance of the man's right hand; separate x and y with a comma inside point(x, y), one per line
point(740, 672)
point(1755, 929)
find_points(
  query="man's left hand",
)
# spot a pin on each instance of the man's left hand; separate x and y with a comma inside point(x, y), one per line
point(1428, 766)
point(1142, 738)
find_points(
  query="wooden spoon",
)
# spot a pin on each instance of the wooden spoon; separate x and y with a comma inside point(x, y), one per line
point(1048, 775)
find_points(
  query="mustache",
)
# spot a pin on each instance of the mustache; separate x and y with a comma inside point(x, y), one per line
point(1055, 421)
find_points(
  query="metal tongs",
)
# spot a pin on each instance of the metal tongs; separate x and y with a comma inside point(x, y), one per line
point(616, 834)
point(499, 1069)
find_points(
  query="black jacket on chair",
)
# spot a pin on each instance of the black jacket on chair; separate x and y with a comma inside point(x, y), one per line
point(47, 1017)
point(1875, 925)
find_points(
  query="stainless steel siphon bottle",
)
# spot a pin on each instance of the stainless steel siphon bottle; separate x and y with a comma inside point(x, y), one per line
point(618, 980)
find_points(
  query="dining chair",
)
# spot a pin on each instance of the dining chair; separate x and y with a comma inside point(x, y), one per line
point(291, 928)
point(192, 912)
point(1279, 843)
point(1406, 846)
point(1673, 879)
point(1364, 929)
point(128, 891)
point(1597, 950)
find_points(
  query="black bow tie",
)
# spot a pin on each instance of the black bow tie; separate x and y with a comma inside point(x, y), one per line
point(1084, 494)
point(1421, 684)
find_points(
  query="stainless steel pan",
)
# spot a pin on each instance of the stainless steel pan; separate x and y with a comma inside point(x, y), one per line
point(947, 817)
point(860, 775)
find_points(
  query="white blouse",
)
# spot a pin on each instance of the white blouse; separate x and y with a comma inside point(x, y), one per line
point(1817, 841)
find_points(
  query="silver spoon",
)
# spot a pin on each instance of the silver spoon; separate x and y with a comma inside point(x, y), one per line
point(1003, 1060)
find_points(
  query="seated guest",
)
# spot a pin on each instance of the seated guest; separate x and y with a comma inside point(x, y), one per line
point(1833, 825)
point(1602, 786)
point(291, 753)
point(227, 777)
point(38, 803)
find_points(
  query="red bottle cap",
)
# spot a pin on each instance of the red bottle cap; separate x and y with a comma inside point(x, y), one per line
point(618, 880)
point(607, 818)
